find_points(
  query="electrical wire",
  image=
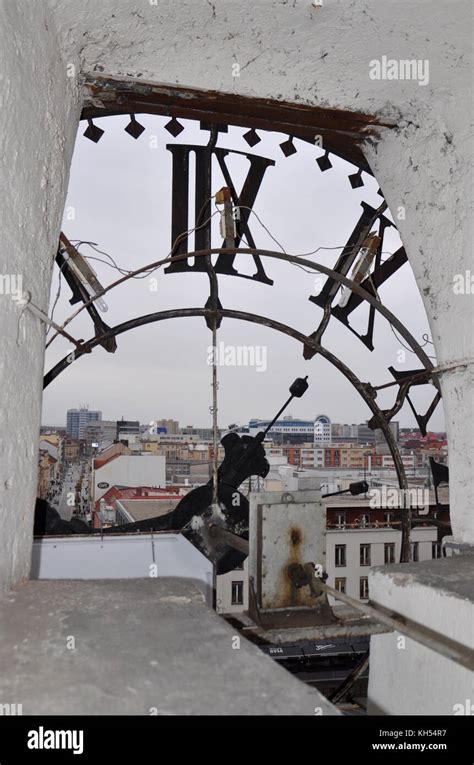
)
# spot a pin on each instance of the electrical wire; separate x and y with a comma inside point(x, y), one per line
point(93, 245)
point(179, 238)
point(305, 254)
point(433, 358)
point(56, 298)
point(425, 336)
point(127, 272)
point(122, 271)
point(165, 261)
point(244, 207)
point(427, 340)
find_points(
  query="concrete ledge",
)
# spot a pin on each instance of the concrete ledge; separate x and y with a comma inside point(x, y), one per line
point(142, 646)
point(405, 676)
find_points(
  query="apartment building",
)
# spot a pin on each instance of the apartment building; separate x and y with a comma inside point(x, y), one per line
point(78, 419)
point(48, 467)
point(351, 553)
point(164, 426)
point(340, 455)
point(357, 538)
point(290, 430)
point(71, 450)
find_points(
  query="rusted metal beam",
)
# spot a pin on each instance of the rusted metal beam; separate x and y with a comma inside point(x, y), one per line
point(220, 534)
point(338, 694)
point(437, 642)
point(178, 313)
point(341, 131)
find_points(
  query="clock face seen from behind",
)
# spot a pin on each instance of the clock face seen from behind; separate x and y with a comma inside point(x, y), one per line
point(219, 178)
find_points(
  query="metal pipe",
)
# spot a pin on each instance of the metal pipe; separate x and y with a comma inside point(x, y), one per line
point(441, 644)
point(317, 267)
point(220, 534)
point(339, 693)
point(215, 439)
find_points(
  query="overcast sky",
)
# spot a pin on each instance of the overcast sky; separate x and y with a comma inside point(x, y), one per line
point(120, 197)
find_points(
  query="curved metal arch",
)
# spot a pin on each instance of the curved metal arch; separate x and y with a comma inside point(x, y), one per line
point(136, 98)
point(362, 388)
point(316, 267)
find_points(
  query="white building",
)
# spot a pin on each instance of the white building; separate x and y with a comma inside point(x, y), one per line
point(293, 478)
point(407, 459)
point(317, 431)
point(129, 470)
point(284, 427)
point(350, 554)
point(232, 591)
point(322, 429)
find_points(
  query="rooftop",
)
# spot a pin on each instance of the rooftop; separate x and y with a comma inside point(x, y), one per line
point(119, 667)
point(141, 509)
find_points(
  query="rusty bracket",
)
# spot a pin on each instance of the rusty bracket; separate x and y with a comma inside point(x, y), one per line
point(305, 576)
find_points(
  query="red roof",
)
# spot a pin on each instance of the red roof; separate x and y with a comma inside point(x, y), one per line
point(138, 492)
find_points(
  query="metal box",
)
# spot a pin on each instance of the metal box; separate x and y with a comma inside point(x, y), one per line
point(284, 529)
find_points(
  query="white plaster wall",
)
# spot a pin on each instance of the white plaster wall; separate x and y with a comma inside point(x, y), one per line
point(123, 557)
point(414, 680)
point(287, 51)
point(38, 112)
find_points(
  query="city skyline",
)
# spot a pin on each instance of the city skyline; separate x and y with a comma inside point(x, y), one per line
point(182, 425)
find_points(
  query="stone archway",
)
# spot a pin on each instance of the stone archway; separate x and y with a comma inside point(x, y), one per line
point(293, 55)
